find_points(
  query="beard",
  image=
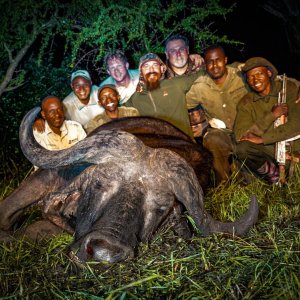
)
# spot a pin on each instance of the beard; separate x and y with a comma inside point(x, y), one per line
point(153, 82)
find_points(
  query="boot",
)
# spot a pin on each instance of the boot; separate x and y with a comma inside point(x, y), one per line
point(269, 172)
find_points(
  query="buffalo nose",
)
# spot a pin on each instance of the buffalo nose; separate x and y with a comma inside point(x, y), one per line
point(101, 250)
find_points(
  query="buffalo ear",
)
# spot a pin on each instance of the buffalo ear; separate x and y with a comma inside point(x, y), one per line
point(186, 188)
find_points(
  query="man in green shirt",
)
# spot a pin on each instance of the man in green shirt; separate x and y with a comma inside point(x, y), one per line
point(218, 90)
point(160, 98)
point(254, 124)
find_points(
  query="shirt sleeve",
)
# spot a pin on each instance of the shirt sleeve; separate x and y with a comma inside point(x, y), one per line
point(129, 102)
point(136, 113)
point(192, 96)
point(190, 79)
point(292, 127)
point(93, 124)
point(38, 137)
point(81, 133)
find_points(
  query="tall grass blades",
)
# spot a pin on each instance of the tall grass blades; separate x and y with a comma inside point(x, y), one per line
point(263, 265)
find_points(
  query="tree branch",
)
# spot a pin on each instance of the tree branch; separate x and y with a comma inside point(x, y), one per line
point(14, 63)
point(9, 53)
point(11, 88)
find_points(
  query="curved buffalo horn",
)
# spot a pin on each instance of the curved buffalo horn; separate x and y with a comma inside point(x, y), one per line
point(188, 191)
point(148, 125)
point(97, 148)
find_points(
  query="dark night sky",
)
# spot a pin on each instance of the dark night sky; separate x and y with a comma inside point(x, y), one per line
point(262, 33)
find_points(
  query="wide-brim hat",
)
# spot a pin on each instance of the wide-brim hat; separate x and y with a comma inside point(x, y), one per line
point(255, 62)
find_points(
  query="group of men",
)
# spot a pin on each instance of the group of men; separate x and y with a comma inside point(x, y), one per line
point(231, 109)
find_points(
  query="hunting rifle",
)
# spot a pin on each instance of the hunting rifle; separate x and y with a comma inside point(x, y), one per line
point(280, 149)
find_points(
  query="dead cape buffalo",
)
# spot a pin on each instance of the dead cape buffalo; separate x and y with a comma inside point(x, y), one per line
point(116, 188)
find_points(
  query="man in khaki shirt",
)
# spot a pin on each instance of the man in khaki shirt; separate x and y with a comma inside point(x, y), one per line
point(218, 90)
point(59, 133)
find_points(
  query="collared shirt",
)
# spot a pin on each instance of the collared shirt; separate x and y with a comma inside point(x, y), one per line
point(190, 69)
point(71, 133)
point(218, 101)
point(254, 114)
point(125, 92)
point(76, 111)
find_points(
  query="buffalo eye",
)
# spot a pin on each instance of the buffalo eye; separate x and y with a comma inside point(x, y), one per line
point(98, 185)
point(161, 210)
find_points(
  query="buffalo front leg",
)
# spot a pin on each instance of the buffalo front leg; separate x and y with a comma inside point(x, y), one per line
point(31, 190)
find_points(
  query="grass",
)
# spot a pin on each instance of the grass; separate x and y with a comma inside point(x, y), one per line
point(263, 265)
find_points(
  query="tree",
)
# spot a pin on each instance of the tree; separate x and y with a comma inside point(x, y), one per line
point(29, 27)
point(89, 28)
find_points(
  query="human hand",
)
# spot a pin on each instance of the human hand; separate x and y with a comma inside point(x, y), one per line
point(39, 125)
point(198, 61)
point(199, 129)
point(240, 66)
point(251, 137)
point(280, 109)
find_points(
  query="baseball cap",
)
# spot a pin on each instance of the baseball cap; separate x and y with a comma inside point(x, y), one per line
point(81, 73)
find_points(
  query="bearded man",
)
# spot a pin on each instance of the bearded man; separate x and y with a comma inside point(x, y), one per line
point(160, 98)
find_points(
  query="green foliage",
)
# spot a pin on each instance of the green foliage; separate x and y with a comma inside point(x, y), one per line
point(82, 26)
point(40, 81)
point(144, 26)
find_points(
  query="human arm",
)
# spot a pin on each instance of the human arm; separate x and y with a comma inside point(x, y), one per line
point(40, 138)
point(292, 127)
point(188, 80)
point(251, 137)
point(198, 61)
point(81, 133)
point(252, 116)
point(39, 125)
point(135, 112)
point(279, 110)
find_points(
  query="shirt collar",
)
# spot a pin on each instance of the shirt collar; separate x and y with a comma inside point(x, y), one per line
point(63, 129)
